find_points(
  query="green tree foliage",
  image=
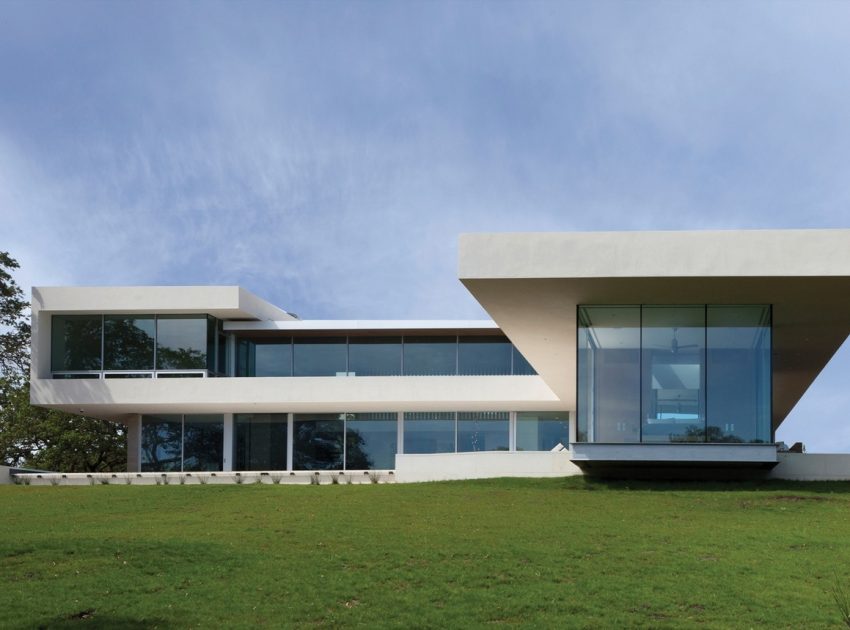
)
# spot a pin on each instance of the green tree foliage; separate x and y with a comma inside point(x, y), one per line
point(14, 327)
point(40, 438)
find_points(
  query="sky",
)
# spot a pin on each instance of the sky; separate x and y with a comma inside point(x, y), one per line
point(326, 155)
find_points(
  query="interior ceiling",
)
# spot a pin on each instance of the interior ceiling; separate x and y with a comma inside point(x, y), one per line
point(811, 319)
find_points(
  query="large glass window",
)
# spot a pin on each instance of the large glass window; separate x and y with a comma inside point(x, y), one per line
point(429, 432)
point(371, 441)
point(162, 440)
point(171, 443)
point(609, 374)
point(374, 356)
point(673, 368)
point(318, 441)
point(738, 374)
point(484, 356)
point(483, 431)
point(76, 342)
point(430, 356)
point(674, 374)
point(203, 442)
point(128, 342)
point(542, 430)
point(181, 342)
point(320, 356)
point(260, 442)
point(272, 357)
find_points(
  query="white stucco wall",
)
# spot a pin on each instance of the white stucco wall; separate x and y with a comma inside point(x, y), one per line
point(484, 465)
point(812, 467)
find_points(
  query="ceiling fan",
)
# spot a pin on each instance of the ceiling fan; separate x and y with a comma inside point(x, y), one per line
point(675, 346)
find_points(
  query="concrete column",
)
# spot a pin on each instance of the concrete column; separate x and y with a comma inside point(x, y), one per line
point(227, 464)
point(512, 431)
point(133, 423)
point(289, 437)
point(573, 427)
point(400, 444)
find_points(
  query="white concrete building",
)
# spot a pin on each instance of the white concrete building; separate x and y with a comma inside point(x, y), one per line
point(634, 350)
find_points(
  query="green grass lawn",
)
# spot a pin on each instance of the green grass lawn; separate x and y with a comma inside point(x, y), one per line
point(546, 553)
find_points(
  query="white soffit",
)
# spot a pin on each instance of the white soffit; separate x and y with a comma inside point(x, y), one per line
point(531, 284)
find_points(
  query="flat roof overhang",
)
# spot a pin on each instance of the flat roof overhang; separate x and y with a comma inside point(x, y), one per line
point(532, 283)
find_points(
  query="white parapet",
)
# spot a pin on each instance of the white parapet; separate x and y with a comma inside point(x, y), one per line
point(812, 467)
point(483, 465)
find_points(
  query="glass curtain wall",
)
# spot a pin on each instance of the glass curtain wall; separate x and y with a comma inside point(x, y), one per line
point(609, 374)
point(171, 443)
point(738, 374)
point(483, 356)
point(267, 357)
point(371, 440)
point(134, 346)
point(542, 430)
point(75, 343)
point(320, 356)
point(674, 374)
point(260, 441)
point(430, 356)
point(429, 432)
point(374, 356)
point(483, 431)
point(318, 441)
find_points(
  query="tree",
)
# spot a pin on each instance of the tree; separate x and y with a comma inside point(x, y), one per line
point(43, 438)
point(14, 327)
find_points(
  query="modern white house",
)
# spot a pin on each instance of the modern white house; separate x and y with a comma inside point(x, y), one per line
point(616, 352)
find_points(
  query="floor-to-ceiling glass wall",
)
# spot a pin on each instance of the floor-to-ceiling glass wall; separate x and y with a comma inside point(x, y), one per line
point(609, 374)
point(192, 442)
point(696, 373)
point(318, 441)
point(542, 430)
point(673, 374)
point(260, 441)
point(738, 374)
point(371, 440)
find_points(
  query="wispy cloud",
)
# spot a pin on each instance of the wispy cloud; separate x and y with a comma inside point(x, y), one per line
point(327, 155)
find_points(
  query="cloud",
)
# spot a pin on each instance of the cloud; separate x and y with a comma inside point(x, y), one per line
point(327, 156)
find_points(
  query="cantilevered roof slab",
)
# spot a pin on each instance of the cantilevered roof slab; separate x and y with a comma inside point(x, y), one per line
point(532, 283)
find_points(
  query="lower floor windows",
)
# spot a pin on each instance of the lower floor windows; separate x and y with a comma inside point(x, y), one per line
point(337, 441)
point(189, 443)
point(542, 430)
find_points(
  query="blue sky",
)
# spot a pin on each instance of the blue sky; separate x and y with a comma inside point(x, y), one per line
point(326, 155)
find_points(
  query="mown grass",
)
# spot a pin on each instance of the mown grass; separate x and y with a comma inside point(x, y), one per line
point(543, 553)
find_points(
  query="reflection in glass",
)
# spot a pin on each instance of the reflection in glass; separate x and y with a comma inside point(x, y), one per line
point(75, 342)
point(371, 441)
point(521, 367)
point(738, 374)
point(374, 356)
point(482, 431)
point(609, 374)
point(429, 432)
point(320, 356)
point(542, 430)
point(318, 441)
point(484, 356)
point(272, 357)
point(181, 342)
point(260, 441)
point(674, 372)
point(203, 442)
point(161, 443)
point(128, 342)
point(430, 356)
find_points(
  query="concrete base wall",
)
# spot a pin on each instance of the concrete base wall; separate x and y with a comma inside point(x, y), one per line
point(449, 466)
point(5, 475)
point(812, 467)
